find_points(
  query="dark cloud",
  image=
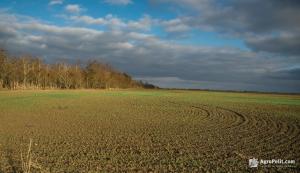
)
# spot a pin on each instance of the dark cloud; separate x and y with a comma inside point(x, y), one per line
point(174, 82)
point(6, 33)
point(287, 45)
point(256, 16)
point(292, 73)
point(246, 19)
point(243, 15)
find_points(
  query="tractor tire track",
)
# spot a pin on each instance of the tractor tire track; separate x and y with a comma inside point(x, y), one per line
point(270, 135)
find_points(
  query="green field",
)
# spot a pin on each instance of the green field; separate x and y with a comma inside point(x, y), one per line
point(148, 130)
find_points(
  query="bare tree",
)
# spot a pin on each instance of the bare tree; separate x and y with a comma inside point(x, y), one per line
point(29, 72)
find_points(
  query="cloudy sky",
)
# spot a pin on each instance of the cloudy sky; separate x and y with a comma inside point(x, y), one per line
point(207, 44)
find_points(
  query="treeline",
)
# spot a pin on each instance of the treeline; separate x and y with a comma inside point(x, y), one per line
point(27, 72)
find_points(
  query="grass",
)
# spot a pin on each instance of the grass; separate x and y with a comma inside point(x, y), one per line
point(147, 130)
point(273, 99)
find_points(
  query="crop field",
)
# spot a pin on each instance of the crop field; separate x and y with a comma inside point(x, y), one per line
point(148, 130)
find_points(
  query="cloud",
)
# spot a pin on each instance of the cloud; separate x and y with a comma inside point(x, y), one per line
point(287, 44)
point(144, 23)
point(244, 20)
point(175, 25)
point(118, 2)
point(175, 82)
point(290, 73)
point(121, 45)
point(235, 16)
point(113, 22)
point(148, 57)
point(56, 2)
point(88, 20)
point(73, 8)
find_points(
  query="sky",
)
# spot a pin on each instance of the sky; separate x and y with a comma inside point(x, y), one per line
point(243, 45)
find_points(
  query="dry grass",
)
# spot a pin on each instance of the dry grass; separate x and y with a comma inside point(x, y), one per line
point(27, 162)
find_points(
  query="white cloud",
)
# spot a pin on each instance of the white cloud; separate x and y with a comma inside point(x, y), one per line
point(88, 20)
point(144, 23)
point(119, 2)
point(73, 8)
point(36, 26)
point(56, 2)
point(113, 22)
point(175, 25)
point(121, 45)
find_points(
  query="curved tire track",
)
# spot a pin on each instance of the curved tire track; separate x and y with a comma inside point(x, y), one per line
point(268, 134)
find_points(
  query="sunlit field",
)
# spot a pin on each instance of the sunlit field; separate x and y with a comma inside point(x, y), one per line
point(147, 130)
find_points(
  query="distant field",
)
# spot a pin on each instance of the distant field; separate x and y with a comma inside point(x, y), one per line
point(148, 130)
